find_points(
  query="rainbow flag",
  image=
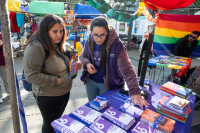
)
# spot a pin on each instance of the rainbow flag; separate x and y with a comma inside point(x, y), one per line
point(170, 28)
point(68, 25)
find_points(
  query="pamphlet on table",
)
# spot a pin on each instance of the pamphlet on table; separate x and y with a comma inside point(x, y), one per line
point(157, 121)
point(143, 128)
point(66, 124)
point(131, 110)
point(86, 114)
point(119, 118)
point(99, 103)
point(87, 130)
point(104, 126)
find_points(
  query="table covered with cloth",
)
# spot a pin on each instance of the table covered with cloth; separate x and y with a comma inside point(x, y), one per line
point(173, 62)
point(153, 100)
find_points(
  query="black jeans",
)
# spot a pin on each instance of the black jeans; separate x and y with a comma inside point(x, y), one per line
point(51, 108)
point(186, 76)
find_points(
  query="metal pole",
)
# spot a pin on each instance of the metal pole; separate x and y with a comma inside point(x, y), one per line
point(116, 25)
point(146, 59)
point(61, 14)
point(154, 74)
point(9, 64)
point(129, 34)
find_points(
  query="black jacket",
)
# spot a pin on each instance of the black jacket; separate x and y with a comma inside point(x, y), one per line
point(181, 47)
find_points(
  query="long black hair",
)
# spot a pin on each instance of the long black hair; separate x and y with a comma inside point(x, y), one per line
point(101, 22)
point(42, 34)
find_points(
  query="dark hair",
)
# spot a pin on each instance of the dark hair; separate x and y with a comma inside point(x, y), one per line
point(196, 32)
point(42, 34)
point(101, 22)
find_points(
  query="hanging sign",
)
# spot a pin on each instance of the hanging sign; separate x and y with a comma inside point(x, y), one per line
point(81, 29)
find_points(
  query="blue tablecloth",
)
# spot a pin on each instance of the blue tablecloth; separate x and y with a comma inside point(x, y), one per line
point(153, 101)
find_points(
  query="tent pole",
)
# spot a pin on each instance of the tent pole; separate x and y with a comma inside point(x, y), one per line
point(61, 14)
point(129, 34)
point(9, 65)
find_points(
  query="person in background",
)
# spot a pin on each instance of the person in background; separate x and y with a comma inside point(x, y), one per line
point(106, 64)
point(133, 40)
point(3, 72)
point(50, 80)
point(186, 45)
point(29, 34)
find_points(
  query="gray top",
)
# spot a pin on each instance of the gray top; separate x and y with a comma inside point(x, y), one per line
point(45, 81)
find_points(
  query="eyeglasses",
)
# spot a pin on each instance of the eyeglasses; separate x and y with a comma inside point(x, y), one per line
point(101, 36)
point(193, 37)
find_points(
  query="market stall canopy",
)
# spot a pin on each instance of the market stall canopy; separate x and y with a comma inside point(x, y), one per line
point(105, 8)
point(86, 9)
point(42, 7)
point(166, 4)
point(24, 9)
point(170, 28)
point(13, 5)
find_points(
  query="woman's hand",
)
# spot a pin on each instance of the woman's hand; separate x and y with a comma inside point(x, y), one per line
point(78, 66)
point(59, 80)
point(140, 100)
point(91, 69)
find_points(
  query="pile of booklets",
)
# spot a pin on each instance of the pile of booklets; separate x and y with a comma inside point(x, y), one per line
point(99, 103)
point(174, 107)
point(66, 124)
point(130, 109)
point(143, 128)
point(104, 126)
point(172, 89)
point(86, 114)
point(157, 121)
point(119, 118)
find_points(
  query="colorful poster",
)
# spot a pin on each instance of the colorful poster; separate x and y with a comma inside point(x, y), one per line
point(122, 27)
point(79, 48)
point(136, 27)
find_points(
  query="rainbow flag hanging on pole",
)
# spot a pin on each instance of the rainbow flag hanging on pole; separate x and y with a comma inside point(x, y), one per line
point(170, 28)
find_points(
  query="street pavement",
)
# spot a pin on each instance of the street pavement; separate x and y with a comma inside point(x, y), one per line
point(78, 97)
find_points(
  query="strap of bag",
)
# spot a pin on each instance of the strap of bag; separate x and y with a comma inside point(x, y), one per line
point(66, 61)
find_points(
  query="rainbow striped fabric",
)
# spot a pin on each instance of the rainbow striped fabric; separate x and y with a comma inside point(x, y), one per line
point(68, 25)
point(170, 28)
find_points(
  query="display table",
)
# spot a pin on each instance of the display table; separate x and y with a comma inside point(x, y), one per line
point(153, 101)
point(175, 63)
point(155, 61)
point(18, 43)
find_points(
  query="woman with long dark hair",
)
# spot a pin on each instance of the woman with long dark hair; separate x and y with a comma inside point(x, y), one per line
point(106, 64)
point(47, 72)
